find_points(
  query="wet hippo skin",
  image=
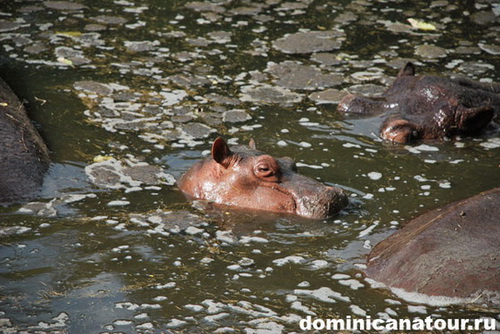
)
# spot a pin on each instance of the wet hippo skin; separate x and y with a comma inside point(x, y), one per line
point(453, 251)
point(247, 178)
point(24, 157)
point(428, 107)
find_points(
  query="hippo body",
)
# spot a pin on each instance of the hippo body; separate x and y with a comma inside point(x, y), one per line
point(427, 107)
point(24, 157)
point(246, 178)
point(450, 252)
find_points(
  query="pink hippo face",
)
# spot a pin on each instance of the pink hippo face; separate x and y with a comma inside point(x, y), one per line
point(427, 107)
point(246, 178)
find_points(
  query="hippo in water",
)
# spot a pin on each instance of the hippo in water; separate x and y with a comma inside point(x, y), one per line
point(451, 252)
point(247, 178)
point(427, 107)
point(24, 157)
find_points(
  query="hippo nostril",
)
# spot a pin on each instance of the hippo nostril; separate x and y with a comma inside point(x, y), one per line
point(413, 135)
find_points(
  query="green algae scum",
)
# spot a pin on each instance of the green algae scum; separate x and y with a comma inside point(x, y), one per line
point(129, 94)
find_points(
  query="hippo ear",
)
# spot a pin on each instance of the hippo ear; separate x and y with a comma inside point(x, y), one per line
point(473, 120)
point(220, 151)
point(251, 144)
point(407, 70)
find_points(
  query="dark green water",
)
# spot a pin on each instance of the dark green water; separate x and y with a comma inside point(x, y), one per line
point(171, 75)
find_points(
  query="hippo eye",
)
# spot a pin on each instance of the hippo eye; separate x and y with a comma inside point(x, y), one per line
point(266, 172)
point(267, 169)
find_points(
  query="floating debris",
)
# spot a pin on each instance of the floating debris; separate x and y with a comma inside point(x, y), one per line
point(310, 41)
point(163, 79)
point(421, 25)
point(375, 175)
point(6, 26)
point(268, 94)
point(64, 5)
point(331, 95)
point(296, 76)
point(430, 51)
point(113, 174)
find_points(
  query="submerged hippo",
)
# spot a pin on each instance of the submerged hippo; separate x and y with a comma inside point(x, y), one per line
point(427, 107)
point(452, 252)
point(247, 178)
point(24, 157)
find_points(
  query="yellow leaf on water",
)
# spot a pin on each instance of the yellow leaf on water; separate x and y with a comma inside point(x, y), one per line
point(65, 61)
point(101, 158)
point(69, 33)
point(421, 25)
point(4, 104)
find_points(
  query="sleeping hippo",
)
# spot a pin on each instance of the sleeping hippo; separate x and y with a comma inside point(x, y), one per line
point(24, 157)
point(427, 107)
point(451, 252)
point(247, 178)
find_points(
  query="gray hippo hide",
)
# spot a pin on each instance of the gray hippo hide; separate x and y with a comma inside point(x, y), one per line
point(429, 107)
point(24, 157)
point(452, 252)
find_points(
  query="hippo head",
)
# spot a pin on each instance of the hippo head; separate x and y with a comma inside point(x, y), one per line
point(451, 120)
point(247, 178)
point(429, 107)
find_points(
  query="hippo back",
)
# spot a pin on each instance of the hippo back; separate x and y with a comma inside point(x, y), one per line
point(452, 252)
point(24, 157)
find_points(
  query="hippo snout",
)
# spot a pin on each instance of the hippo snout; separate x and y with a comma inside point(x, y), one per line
point(320, 201)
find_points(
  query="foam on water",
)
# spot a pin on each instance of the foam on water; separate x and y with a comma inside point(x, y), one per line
point(418, 298)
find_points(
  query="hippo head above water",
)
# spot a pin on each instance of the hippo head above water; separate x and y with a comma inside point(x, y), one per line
point(427, 107)
point(247, 178)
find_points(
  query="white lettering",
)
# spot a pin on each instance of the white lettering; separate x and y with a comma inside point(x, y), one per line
point(404, 324)
point(305, 324)
point(318, 324)
point(378, 324)
point(439, 324)
point(416, 324)
point(335, 324)
point(489, 324)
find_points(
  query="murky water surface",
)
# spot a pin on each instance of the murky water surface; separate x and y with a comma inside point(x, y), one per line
point(128, 94)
